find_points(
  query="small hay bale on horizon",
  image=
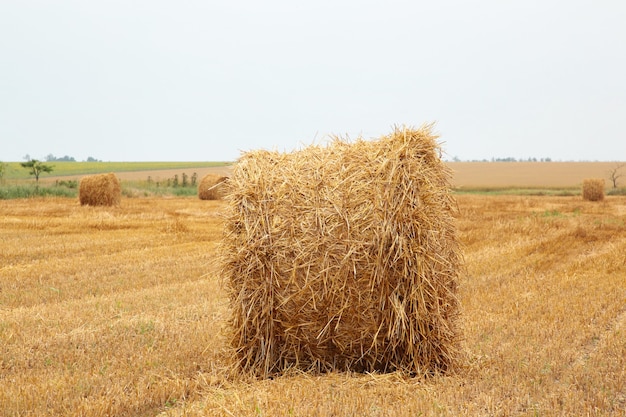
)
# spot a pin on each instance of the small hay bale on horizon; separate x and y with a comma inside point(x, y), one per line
point(212, 187)
point(343, 258)
point(593, 189)
point(100, 190)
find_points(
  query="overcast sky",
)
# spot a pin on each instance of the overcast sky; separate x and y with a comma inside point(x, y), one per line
point(203, 80)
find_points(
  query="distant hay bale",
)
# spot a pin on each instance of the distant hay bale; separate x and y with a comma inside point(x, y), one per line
point(343, 257)
point(593, 189)
point(211, 187)
point(100, 190)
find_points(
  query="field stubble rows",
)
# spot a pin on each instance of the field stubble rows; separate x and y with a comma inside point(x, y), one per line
point(119, 311)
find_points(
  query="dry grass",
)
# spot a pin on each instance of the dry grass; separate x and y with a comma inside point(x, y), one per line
point(118, 311)
point(593, 189)
point(212, 187)
point(100, 190)
point(344, 258)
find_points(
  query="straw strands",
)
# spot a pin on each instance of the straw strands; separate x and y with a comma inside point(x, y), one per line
point(211, 187)
point(343, 257)
point(100, 190)
point(593, 189)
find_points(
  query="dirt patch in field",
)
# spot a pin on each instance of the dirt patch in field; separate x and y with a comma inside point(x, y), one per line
point(465, 174)
point(155, 175)
point(169, 173)
point(527, 174)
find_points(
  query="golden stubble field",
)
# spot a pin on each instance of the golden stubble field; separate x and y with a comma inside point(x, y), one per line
point(119, 311)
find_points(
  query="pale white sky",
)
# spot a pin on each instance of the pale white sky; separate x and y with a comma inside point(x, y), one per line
point(202, 80)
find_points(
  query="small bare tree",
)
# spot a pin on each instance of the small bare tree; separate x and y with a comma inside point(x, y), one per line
point(614, 173)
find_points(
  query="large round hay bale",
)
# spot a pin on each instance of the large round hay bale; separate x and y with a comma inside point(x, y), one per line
point(343, 257)
point(100, 190)
point(593, 189)
point(211, 187)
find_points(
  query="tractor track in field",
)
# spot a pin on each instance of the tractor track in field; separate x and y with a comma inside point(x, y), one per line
point(617, 324)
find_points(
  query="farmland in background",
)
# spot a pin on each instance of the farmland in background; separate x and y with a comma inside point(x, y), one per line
point(120, 311)
point(73, 170)
point(139, 179)
point(529, 174)
point(560, 178)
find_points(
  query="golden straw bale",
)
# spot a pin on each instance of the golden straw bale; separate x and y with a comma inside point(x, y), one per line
point(100, 190)
point(343, 257)
point(593, 189)
point(212, 187)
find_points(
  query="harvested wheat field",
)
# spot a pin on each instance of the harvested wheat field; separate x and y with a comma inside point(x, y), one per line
point(527, 174)
point(119, 311)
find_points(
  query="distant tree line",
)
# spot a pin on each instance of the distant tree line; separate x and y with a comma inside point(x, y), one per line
point(52, 158)
point(507, 159)
point(510, 159)
point(66, 158)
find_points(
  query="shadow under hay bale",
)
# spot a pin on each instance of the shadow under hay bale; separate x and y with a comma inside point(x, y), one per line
point(100, 190)
point(343, 257)
point(593, 189)
point(212, 187)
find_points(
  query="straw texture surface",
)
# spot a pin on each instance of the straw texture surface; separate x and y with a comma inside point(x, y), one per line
point(593, 189)
point(100, 190)
point(343, 257)
point(211, 187)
